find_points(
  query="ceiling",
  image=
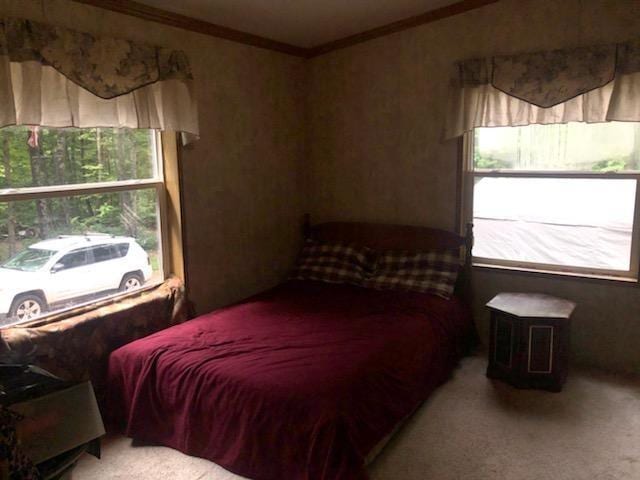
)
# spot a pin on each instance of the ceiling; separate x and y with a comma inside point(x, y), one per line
point(303, 23)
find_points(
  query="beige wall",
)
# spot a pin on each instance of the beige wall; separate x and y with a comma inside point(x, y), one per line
point(244, 191)
point(376, 115)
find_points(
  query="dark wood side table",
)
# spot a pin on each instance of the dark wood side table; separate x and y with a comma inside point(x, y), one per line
point(529, 340)
point(60, 421)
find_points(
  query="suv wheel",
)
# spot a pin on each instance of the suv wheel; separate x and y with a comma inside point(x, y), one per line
point(131, 281)
point(27, 307)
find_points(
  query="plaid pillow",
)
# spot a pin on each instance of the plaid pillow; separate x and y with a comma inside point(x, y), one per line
point(333, 263)
point(432, 272)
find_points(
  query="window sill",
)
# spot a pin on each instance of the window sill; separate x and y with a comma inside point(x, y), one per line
point(557, 274)
point(77, 347)
point(88, 307)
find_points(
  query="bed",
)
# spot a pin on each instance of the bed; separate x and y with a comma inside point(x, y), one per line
point(303, 381)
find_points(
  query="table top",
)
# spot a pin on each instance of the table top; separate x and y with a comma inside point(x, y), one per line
point(532, 305)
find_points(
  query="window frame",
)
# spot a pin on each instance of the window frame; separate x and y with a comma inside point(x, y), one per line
point(163, 143)
point(470, 174)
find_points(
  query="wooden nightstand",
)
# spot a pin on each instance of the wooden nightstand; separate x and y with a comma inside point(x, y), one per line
point(529, 340)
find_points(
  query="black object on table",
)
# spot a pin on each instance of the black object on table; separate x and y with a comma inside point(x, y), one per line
point(529, 340)
point(21, 382)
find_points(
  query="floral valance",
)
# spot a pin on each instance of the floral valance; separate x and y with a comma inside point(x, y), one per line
point(591, 84)
point(58, 77)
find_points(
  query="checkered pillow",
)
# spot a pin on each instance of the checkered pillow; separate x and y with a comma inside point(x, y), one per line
point(333, 263)
point(432, 272)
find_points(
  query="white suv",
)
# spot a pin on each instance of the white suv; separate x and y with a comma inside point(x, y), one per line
point(69, 267)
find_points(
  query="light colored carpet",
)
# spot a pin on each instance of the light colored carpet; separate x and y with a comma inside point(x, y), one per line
point(471, 428)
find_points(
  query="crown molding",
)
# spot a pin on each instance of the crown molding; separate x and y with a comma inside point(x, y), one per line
point(145, 12)
point(407, 23)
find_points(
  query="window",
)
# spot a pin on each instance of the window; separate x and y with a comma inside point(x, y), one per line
point(555, 197)
point(121, 250)
point(81, 212)
point(75, 259)
point(104, 253)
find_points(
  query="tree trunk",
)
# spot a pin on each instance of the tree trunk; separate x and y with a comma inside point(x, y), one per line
point(35, 157)
point(11, 216)
point(121, 173)
point(60, 162)
point(133, 197)
point(99, 154)
point(635, 154)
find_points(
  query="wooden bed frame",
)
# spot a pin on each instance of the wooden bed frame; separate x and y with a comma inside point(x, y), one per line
point(399, 237)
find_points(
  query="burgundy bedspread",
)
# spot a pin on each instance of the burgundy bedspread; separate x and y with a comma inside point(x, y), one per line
point(300, 382)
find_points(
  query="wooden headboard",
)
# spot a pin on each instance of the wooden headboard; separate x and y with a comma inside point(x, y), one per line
point(399, 237)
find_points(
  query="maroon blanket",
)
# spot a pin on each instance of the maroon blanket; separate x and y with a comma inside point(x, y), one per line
point(300, 382)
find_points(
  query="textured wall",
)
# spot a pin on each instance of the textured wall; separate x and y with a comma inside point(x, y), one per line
point(244, 193)
point(376, 116)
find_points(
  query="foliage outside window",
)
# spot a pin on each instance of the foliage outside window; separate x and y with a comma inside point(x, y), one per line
point(80, 216)
point(556, 197)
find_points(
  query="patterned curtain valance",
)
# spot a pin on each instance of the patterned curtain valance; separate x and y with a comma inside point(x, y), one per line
point(590, 84)
point(58, 77)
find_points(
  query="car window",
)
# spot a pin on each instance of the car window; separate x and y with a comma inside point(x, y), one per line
point(30, 260)
point(123, 249)
point(76, 258)
point(102, 253)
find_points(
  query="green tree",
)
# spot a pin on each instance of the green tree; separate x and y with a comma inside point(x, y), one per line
point(76, 156)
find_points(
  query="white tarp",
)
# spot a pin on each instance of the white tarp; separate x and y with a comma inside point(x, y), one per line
point(569, 222)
